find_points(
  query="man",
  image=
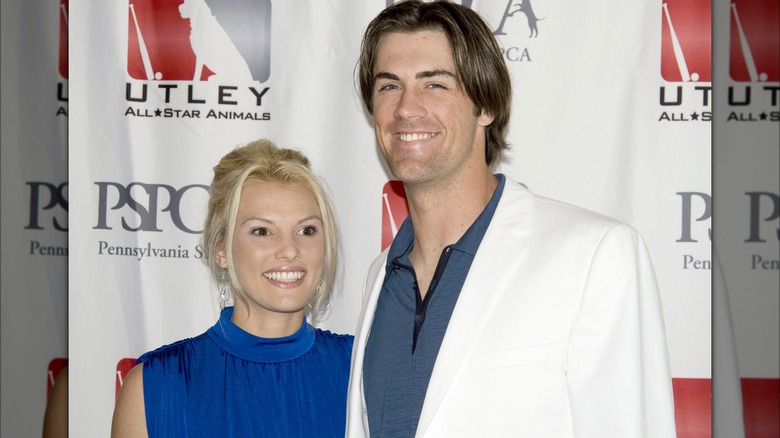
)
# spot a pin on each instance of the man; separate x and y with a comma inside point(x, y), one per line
point(495, 312)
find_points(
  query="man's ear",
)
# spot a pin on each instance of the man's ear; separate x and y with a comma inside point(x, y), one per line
point(220, 257)
point(485, 119)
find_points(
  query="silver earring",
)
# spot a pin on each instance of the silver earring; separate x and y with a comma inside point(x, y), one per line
point(317, 291)
point(224, 289)
point(320, 286)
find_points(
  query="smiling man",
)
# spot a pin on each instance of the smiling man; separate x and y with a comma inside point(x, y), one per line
point(495, 312)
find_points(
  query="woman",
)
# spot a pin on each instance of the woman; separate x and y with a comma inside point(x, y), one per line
point(262, 369)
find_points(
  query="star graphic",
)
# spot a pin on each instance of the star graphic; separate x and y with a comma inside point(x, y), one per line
point(695, 116)
point(157, 112)
point(763, 116)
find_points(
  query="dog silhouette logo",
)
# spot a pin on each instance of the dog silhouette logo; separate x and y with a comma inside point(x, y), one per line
point(219, 41)
point(63, 49)
point(686, 40)
point(526, 8)
point(754, 41)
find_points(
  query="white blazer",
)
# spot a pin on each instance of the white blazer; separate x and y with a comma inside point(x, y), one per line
point(557, 332)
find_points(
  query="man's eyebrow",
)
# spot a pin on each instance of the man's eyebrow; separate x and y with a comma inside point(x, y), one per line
point(420, 75)
point(386, 75)
point(433, 73)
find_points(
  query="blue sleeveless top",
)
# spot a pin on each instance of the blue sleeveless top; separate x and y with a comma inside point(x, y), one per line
point(230, 383)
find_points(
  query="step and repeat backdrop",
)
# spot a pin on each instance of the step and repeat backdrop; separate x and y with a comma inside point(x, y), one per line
point(114, 114)
point(35, 222)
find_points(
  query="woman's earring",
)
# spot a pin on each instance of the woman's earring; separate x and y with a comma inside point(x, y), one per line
point(320, 286)
point(317, 292)
point(224, 289)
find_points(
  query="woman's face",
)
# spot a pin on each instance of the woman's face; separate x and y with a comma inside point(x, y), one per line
point(278, 247)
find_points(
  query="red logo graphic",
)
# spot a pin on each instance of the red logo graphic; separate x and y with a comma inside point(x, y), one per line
point(56, 366)
point(692, 407)
point(686, 41)
point(754, 52)
point(122, 368)
point(394, 210)
point(760, 406)
point(224, 41)
point(63, 64)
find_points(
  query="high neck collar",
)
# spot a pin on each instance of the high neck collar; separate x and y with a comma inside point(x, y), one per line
point(247, 346)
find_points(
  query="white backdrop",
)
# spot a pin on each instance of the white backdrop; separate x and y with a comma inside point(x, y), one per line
point(585, 129)
point(34, 212)
point(607, 114)
point(588, 127)
point(746, 187)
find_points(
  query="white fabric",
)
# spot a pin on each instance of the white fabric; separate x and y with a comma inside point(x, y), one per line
point(558, 332)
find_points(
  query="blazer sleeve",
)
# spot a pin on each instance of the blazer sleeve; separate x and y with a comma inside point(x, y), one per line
point(617, 368)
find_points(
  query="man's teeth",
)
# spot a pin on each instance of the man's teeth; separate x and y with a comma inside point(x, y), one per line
point(415, 137)
point(284, 277)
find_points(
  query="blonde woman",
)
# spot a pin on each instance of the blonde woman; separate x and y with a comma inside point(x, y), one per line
point(262, 369)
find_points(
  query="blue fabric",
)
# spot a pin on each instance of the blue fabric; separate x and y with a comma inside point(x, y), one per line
point(396, 369)
point(230, 383)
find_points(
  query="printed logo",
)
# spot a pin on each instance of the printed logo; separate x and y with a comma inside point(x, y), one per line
point(696, 204)
point(696, 226)
point(63, 59)
point(511, 16)
point(692, 406)
point(223, 41)
point(149, 208)
point(56, 366)
point(122, 368)
point(686, 40)
point(760, 405)
point(139, 206)
point(754, 52)
point(394, 210)
point(48, 206)
point(764, 212)
point(48, 210)
point(525, 8)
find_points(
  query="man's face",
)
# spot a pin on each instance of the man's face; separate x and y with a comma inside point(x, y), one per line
point(425, 124)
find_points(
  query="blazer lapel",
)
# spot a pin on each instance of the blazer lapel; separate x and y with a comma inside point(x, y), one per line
point(356, 400)
point(498, 257)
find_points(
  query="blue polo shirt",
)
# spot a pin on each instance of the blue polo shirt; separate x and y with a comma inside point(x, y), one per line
point(407, 330)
